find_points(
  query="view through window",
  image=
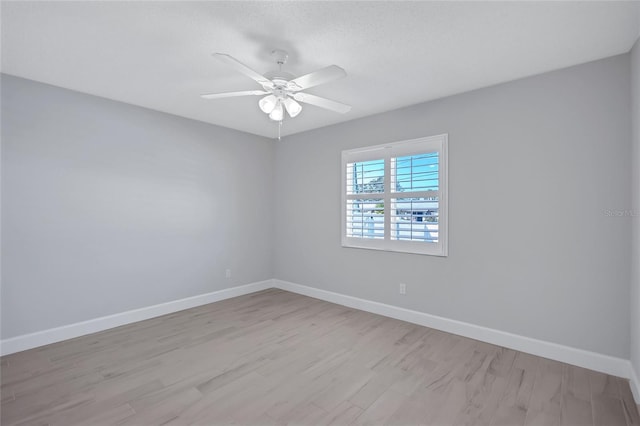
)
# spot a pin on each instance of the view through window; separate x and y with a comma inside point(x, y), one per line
point(394, 196)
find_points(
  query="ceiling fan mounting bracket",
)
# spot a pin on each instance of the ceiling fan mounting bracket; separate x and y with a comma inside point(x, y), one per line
point(280, 56)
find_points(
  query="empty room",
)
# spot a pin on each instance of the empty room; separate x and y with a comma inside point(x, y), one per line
point(320, 213)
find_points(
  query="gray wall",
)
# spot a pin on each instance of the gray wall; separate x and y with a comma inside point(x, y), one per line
point(635, 278)
point(108, 207)
point(533, 165)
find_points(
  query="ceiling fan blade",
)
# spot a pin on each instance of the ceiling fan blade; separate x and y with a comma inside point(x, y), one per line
point(325, 75)
point(322, 102)
point(239, 66)
point(232, 94)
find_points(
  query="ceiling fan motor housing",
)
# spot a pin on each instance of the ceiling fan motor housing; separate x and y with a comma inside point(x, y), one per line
point(279, 77)
point(280, 92)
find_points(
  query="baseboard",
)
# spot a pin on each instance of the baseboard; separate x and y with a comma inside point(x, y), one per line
point(582, 358)
point(52, 335)
point(634, 382)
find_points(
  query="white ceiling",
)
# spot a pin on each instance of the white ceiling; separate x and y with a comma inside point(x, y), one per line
point(158, 54)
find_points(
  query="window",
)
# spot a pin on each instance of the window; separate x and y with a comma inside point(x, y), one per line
point(394, 196)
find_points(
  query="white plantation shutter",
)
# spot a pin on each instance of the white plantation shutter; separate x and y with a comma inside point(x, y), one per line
point(414, 215)
point(365, 218)
point(364, 207)
point(394, 196)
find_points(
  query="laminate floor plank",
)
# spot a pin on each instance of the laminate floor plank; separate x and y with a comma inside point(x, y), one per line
point(514, 404)
point(632, 416)
point(607, 410)
point(117, 415)
point(576, 396)
point(376, 386)
point(576, 411)
point(382, 409)
point(605, 402)
point(308, 414)
point(343, 414)
point(278, 358)
point(545, 403)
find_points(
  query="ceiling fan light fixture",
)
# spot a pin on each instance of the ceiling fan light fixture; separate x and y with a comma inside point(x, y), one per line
point(268, 104)
point(278, 112)
point(293, 108)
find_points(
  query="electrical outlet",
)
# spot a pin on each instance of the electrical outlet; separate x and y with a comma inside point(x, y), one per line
point(403, 288)
point(228, 273)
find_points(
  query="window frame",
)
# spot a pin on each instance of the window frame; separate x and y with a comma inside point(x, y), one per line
point(437, 143)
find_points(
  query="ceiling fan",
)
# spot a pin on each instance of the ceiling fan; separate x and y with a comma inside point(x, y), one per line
point(282, 89)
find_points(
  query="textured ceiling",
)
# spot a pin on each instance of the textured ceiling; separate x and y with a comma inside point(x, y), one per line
point(158, 54)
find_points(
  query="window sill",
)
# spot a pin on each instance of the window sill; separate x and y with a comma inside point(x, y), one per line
point(424, 251)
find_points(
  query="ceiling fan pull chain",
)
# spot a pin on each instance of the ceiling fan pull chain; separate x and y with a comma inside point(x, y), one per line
point(279, 129)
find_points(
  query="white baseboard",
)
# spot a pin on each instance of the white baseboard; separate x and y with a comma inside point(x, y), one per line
point(634, 382)
point(52, 335)
point(582, 358)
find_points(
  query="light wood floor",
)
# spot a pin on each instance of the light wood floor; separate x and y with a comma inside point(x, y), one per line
point(274, 358)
